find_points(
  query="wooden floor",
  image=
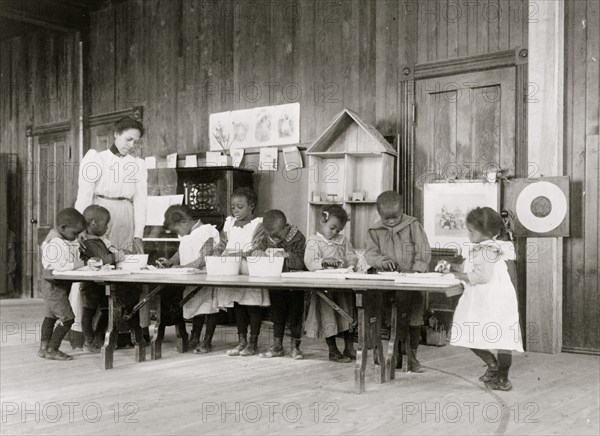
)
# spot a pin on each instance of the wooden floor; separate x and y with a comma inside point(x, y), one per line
point(217, 394)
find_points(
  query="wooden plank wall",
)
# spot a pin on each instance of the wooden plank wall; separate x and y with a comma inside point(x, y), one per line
point(38, 79)
point(581, 313)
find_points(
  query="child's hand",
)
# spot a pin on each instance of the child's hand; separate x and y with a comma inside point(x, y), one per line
point(259, 253)
point(331, 262)
point(389, 265)
point(442, 266)
point(85, 251)
point(163, 262)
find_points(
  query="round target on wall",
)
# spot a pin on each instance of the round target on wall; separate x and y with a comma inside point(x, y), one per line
point(541, 207)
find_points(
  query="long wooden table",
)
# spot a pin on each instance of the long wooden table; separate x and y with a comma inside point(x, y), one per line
point(368, 293)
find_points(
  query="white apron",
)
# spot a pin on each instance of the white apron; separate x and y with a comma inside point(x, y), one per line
point(487, 315)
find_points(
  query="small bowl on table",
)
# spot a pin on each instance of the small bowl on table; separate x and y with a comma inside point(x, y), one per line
point(133, 262)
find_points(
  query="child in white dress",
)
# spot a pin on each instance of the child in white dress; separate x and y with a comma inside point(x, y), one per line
point(330, 249)
point(487, 316)
point(240, 236)
point(197, 241)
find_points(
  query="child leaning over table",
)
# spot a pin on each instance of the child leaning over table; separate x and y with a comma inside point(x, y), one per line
point(60, 252)
point(331, 249)
point(94, 244)
point(197, 241)
point(286, 305)
point(398, 243)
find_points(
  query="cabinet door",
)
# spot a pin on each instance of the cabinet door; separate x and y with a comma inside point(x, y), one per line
point(465, 126)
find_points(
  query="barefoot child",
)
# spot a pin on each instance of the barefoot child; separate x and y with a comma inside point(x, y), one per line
point(330, 249)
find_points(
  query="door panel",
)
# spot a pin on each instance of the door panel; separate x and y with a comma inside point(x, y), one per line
point(51, 184)
point(464, 127)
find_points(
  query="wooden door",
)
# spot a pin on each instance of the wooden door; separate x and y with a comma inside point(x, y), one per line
point(465, 126)
point(53, 178)
point(102, 137)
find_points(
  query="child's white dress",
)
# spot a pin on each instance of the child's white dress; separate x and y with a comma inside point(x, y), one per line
point(189, 250)
point(240, 239)
point(487, 315)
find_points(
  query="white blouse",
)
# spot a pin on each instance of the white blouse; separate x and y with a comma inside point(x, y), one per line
point(104, 173)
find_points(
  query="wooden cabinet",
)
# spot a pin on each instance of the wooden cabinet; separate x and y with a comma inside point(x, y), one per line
point(349, 157)
point(207, 190)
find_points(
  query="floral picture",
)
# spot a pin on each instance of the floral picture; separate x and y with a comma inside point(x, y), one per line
point(446, 206)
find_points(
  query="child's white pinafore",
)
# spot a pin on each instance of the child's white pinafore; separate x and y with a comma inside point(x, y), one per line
point(240, 239)
point(487, 315)
point(189, 250)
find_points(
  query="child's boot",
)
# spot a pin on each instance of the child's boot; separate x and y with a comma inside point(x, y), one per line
point(89, 345)
point(349, 345)
point(43, 349)
point(53, 352)
point(250, 349)
point(295, 349)
point(197, 324)
point(242, 344)
point(276, 350)
point(206, 345)
point(501, 381)
point(415, 337)
point(492, 364)
point(334, 353)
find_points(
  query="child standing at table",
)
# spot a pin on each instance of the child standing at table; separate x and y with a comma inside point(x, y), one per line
point(95, 245)
point(330, 249)
point(60, 252)
point(197, 241)
point(241, 234)
point(398, 243)
point(487, 315)
point(286, 305)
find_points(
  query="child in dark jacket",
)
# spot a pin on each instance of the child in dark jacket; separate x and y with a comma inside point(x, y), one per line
point(282, 239)
point(398, 243)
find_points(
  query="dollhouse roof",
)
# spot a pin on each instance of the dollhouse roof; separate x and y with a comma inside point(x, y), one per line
point(349, 133)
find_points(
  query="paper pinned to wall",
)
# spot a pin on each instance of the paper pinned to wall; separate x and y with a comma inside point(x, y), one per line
point(292, 158)
point(172, 160)
point(268, 159)
point(157, 205)
point(191, 161)
point(150, 162)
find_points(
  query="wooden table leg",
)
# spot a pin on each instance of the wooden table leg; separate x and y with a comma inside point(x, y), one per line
point(361, 352)
point(392, 351)
point(110, 337)
point(159, 334)
point(376, 335)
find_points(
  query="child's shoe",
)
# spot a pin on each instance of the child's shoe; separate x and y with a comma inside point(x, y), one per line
point(350, 353)
point(242, 344)
point(276, 350)
point(204, 347)
point(499, 383)
point(194, 340)
point(295, 349)
point(90, 347)
point(57, 355)
point(336, 356)
point(43, 349)
point(413, 364)
point(490, 374)
point(250, 349)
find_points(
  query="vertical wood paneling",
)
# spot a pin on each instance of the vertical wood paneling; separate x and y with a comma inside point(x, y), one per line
point(101, 72)
point(453, 18)
point(353, 45)
point(365, 16)
point(463, 28)
point(442, 38)
point(517, 18)
point(482, 26)
point(304, 55)
point(581, 289)
point(387, 16)
point(493, 17)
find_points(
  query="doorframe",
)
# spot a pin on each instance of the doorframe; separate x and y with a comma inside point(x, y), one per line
point(64, 127)
point(405, 177)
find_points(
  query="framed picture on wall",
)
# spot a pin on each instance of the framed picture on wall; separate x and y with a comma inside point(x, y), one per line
point(445, 209)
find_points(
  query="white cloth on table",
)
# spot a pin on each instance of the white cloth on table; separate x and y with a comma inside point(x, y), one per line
point(189, 250)
point(240, 239)
point(487, 315)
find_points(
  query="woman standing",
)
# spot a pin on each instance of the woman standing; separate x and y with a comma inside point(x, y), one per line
point(118, 181)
